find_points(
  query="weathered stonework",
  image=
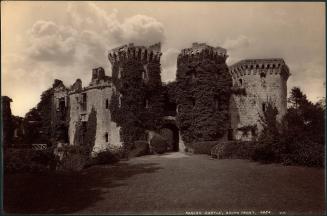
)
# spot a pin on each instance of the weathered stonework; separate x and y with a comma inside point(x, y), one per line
point(262, 81)
point(60, 112)
point(209, 101)
point(97, 95)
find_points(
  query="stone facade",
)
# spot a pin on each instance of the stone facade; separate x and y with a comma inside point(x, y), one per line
point(256, 82)
point(73, 106)
point(213, 101)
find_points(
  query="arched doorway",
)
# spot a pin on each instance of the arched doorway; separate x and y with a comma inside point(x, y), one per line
point(171, 133)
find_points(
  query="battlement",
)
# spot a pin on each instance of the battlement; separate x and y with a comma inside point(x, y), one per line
point(140, 53)
point(200, 51)
point(259, 66)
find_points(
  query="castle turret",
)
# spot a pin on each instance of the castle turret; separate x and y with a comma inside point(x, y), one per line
point(257, 82)
point(203, 86)
point(137, 82)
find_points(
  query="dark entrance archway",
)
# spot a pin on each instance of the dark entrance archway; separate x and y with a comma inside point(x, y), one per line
point(171, 133)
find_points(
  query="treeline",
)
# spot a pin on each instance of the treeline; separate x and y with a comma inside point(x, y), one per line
point(299, 138)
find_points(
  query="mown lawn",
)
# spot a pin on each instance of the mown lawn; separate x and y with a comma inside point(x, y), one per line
point(171, 183)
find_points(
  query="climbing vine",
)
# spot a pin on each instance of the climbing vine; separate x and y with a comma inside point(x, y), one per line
point(202, 92)
point(137, 101)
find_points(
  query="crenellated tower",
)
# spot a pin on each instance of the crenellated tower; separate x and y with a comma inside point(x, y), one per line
point(256, 82)
point(202, 93)
point(137, 103)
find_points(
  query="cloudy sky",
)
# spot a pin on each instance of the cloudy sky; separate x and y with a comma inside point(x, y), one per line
point(41, 41)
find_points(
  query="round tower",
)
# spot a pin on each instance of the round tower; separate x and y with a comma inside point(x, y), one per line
point(256, 82)
point(135, 103)
point(202, 93)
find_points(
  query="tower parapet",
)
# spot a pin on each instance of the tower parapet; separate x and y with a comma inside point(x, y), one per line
point(201, 51)
point(140, 53)
point(260, 67)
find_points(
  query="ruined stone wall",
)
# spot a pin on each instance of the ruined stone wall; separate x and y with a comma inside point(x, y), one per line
point(60, 114)
point(202, 91)
point(97, 97)
point(137, 102)
point(256, 83)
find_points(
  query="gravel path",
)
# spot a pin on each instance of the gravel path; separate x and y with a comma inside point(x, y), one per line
point(170, 183)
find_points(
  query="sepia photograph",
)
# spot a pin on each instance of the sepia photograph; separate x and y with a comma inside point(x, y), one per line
point(163, 108)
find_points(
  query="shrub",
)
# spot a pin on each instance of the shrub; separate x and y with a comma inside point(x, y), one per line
point(234, 149)
point(306, 153)
point(29, 160)
point(201, 147)
point(158, 144)
point(106, 157)
point(74, 157)
point(139, 148)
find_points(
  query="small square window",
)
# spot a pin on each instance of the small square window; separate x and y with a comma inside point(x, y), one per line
point(106, 136)
point(107, 104)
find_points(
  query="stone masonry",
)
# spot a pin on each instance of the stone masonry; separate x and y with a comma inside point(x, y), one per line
point(214, 101)
point(263, 81)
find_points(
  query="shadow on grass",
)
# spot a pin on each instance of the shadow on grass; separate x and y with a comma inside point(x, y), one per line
point(66, 192)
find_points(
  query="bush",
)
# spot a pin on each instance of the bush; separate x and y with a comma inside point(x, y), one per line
point(306, 153)
point(106, 157)
point(29, 160)
point(158, 144)
point(201, 147)
point(73, 157)
point(234, 150)
point(139, 148)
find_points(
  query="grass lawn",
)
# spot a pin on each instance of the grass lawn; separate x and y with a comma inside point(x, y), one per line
point(170, 183)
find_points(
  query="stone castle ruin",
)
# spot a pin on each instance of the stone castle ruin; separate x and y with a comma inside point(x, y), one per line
point(208, 101)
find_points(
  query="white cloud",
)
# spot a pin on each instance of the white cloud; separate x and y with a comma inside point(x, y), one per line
point(143, 30)
point(69, 51)
point(238, 43)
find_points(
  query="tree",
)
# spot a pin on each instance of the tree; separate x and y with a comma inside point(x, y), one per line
point(297, 97)
point(268, 148)
point(38, 120)
point(303, 130)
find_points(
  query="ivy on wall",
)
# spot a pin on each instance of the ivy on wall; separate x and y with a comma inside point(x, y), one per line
point(202, 92)
point(85, 134)
point(137, 102)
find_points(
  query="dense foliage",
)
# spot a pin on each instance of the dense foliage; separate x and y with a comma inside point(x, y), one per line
point(37, 122)
point(137, 103)
point(202, 92)
point(28, 160)
point(299, 139)
point(77, 156)
point(234, 150)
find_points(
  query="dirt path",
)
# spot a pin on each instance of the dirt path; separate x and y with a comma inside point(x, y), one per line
point(171, 183)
